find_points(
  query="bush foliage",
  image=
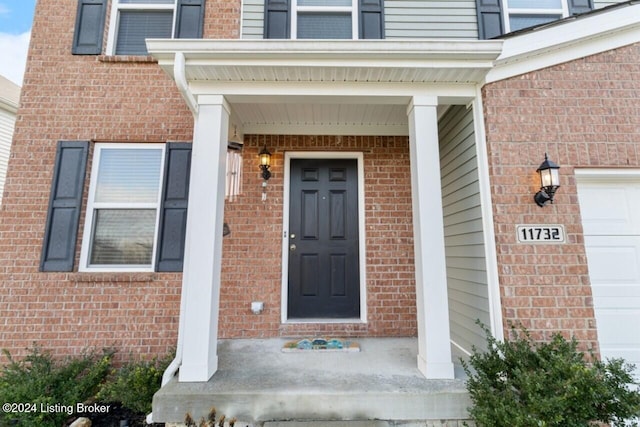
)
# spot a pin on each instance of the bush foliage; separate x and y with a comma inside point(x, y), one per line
point(522, 383)
point(44, 391)
point(134, 384)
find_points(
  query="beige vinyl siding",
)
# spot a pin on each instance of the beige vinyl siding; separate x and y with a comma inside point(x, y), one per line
point(403, 19)
point(464, 237)
point(454, 19)
point(7, 122)
point(252, 19)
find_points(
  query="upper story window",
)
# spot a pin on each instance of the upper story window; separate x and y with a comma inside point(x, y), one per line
point(497, 17)
point(133, 21)
point(137, 20)
point(323, 19)
point(528, 13)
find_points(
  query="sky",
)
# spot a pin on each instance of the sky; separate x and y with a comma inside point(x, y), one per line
point(16, 17)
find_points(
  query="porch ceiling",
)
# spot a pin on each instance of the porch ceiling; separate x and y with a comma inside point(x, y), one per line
point(323, 87)
point(311, 118)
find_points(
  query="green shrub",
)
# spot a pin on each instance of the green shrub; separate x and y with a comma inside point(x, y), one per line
point(134, 384)
point(521, 383)
point(44, 391)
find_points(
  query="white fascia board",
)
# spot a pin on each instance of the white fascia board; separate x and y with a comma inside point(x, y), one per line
point(556, 44)
point(334, 92)
point(347, 50)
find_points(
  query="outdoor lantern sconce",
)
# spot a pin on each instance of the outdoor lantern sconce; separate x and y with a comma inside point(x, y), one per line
point(549, 181)
point(265, 163)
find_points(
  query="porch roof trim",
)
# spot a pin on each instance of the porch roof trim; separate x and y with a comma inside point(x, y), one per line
point(351, 61)
point(567, 40)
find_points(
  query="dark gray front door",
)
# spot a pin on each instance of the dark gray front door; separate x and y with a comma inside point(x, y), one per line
point(324, 276)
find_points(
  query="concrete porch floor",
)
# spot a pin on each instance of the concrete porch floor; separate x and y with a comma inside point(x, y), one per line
point(257, 383)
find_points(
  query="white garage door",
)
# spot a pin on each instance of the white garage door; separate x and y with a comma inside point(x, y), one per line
point(610, 208)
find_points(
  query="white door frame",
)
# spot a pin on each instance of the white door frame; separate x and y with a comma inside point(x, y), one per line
point(362, 256)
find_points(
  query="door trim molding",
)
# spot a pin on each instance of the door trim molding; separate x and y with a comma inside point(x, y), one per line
point(362, 256)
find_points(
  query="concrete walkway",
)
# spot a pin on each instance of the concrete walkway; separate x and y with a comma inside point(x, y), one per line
point(256, 382)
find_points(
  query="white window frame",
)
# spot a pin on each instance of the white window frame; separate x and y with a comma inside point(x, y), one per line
point(92, 206)
point(563, 11)
point(353, 9)
point(114, 20)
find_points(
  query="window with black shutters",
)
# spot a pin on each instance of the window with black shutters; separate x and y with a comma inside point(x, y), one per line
point(136, 213)
point(134, 21)
point(324, 19)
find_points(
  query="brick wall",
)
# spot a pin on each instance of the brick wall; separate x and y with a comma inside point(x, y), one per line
point(252, 254)
point(222, 19)
point(67, 97)
point(584, 113)
point(129, 99)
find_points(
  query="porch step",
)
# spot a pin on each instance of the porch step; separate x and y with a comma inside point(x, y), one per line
point(327, 424)
point(259, 384)
point(377, 423)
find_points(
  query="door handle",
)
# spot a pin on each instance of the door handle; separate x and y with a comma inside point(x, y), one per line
point(292, 247)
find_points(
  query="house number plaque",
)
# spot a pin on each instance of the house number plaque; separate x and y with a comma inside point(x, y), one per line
point(537, 233)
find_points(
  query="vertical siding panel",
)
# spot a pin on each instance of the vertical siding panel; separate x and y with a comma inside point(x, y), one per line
point(464, 241)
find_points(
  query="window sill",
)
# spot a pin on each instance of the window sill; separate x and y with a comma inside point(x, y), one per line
point(114, 277)
point(131, 59)
point(349, 320)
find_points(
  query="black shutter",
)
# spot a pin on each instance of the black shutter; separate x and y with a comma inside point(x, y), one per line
point(371, 19)
point(277, 22)
point(489, 18)
point(580, 6)
point(65, 201)
point(190, 19)
point(173, 211)
point(87, 39)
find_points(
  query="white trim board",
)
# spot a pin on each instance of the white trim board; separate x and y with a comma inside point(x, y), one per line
point(488, 224)
point(91, 206)
point(607, 174)
point(359, 156)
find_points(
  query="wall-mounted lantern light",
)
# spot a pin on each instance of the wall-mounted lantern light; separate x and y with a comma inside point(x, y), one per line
point(549, 181)
point(265, 163)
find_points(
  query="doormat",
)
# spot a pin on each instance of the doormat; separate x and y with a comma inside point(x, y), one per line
point(321, 345)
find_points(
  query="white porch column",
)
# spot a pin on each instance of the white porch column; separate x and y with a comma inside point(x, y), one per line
point(434, 348)
point(203, 244)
